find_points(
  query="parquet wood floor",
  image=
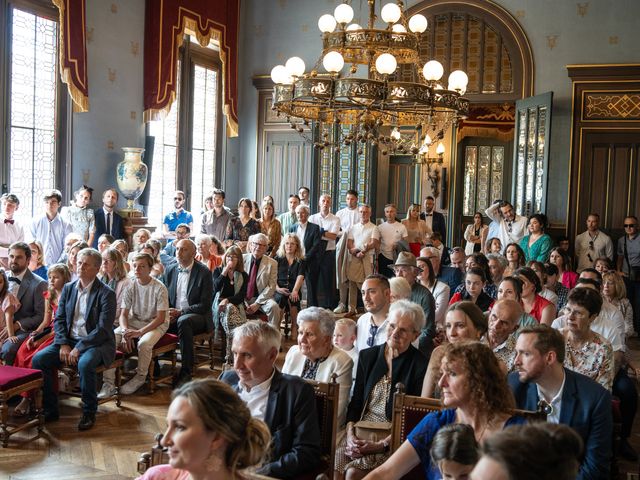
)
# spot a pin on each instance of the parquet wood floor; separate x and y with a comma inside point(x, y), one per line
point(111, 449)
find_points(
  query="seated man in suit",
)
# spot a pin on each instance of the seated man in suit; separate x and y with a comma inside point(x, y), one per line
point(83, 337)
point(311, 239)
point(190, 288)
point(568, 397)
point(285, 403)
point(263, 275)
point(107, 220)
point(28, 289)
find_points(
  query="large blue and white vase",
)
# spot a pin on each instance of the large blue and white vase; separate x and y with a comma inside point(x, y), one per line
point(131, 175)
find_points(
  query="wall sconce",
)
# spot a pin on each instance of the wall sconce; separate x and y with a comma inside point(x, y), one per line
point(434, 164)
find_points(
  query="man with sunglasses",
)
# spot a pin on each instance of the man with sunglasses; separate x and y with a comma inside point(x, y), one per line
point(176, 217)
point(592, 244)
point(372, 326)
point(629, 265)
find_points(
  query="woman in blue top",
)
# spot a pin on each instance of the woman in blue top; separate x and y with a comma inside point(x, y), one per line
point(474, 391)
point(537, 245)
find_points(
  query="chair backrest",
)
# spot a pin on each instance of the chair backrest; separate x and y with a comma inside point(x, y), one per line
point(326, 395)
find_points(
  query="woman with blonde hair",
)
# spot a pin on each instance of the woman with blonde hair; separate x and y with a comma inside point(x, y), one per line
point(114, 274)
point(36, 264)
point(73, 257)
point(291, 272)
point(416, 228)
point(210, 435)
point(615, 292)
point(271, 227)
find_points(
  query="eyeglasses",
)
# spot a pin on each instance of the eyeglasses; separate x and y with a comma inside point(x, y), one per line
point(373, 329)
point(629, 225)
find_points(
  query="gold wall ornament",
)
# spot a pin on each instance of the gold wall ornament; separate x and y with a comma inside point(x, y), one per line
point(111, 75)
point(606, 106)
point(583, 8)
point(552, 41)
point(135, 48)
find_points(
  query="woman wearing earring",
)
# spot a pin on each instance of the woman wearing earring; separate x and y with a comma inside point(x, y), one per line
point(537, 244)
point(210, 435)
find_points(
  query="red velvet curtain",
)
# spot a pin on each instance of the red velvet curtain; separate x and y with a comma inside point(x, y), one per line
point(73, 51)
point(165, 24)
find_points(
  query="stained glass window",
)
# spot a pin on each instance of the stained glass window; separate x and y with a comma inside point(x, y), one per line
point(33, 90)
point(483, 177)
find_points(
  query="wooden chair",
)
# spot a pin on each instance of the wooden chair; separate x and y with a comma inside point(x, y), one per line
point(168, 344)
point(13, 381)
point(118, 364)
point(203, 351)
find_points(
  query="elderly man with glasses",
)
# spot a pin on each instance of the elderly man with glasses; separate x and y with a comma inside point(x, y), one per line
point(263, 276)
point(629, 265)
point(592, 244)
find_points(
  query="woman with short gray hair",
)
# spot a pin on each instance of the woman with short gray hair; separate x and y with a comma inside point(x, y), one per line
point(315, 357)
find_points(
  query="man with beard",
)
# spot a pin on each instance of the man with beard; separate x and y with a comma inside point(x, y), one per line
point(178, 216)
point(107, 220)
point(215, 221)
point(504, 319)
point(372, 326)
point(512, 226)
point(566, 396)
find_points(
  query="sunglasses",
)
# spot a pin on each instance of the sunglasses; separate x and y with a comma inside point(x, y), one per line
point(629, 225)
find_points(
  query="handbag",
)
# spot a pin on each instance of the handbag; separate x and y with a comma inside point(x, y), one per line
point(372, 431)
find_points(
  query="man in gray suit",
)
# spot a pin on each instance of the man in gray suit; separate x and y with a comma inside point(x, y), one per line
point(263, 274)
point(28, 288)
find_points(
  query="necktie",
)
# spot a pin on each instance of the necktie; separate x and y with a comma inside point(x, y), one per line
point(15, 279)
point(6, 220)
point(109, 223)
point(183, 270)
point(253, 275)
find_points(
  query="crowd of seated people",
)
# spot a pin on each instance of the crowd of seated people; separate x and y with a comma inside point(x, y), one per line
point(456, 324)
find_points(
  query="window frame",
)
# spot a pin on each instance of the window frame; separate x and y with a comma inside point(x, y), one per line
point(64, 118)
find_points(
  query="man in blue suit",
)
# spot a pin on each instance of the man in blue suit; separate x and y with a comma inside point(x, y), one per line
point(83, 337)
point(107, 220)
point(567, 397)
point(310, 236)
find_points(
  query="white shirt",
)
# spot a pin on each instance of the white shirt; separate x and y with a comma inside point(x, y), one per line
point(428, 219)
point(256, 398)
point(348, 218)
point(549, 295)
point(15, 286)
point(145, 301)
point(602, 247)
point(302, 227)
point(330, 223)
point(364, 332)
point(508, 232)
point(79, 323)
point(361, 234)
point(555, 403)
point(10, 233)
point(51, 234)
point(182, 285)
point(391, 233)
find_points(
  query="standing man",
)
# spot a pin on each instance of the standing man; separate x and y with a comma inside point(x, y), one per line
point(303, 193)
point(348, 216)
point(107, 220)
point(262, 283)
point(214, 222)
point(28, 289)
point(592, 244)
point(629, 265)
point(330, 227)
point(566, 396)
point(372, 326)
point(512, 227)
point(391, 232)
point(11, 230)
point(287, 219)
point(190, 287)
point(362, 241)
point(310, 239)
point(177, 216)
point(84, 337)
point(434, 220)
point(51, 229)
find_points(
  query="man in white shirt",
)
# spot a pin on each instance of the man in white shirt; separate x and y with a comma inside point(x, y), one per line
point(592, 244)
point(330, 227)
point(51, 229)
point(10, 229)
point(348, 216)
point(362, 240)
point(512, 227)
point(372, 326)
point(391, 232)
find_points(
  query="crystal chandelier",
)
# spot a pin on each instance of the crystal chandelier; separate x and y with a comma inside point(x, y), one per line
point(368, 96)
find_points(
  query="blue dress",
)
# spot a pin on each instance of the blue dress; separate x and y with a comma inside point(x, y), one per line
point(41, 272)
point(422, 435)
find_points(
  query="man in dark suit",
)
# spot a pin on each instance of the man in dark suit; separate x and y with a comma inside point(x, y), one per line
point(310, 236)
point(286, 403)
point(83, 337)
point(28, 289)
point(107, 220)
point(190, 286)
point(434, 220)
point(567, 397)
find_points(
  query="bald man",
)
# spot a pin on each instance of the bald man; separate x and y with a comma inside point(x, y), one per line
point(503, 322)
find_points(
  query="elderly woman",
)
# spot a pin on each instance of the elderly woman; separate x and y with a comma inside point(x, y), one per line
point(291, 271)
point(511, 288)
point(464, 321)
point(614, 291)
point(36, 264)
point(587, 352)
point(271, 227)
point(379, 369)
point(400, 289)
point(474, 392)
point(537, 244)
point(204, 255)
point(114, 275)
point(538, 307)
point(230, 289)
point(240, 228)
point(210, 435)
point(315, 357)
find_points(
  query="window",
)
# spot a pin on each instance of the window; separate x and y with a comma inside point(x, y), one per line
point(483, 177)
point(187, 141)
point(35, 105)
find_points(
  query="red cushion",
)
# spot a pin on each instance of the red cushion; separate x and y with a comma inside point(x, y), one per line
point(167, 339)
point(11, 377)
